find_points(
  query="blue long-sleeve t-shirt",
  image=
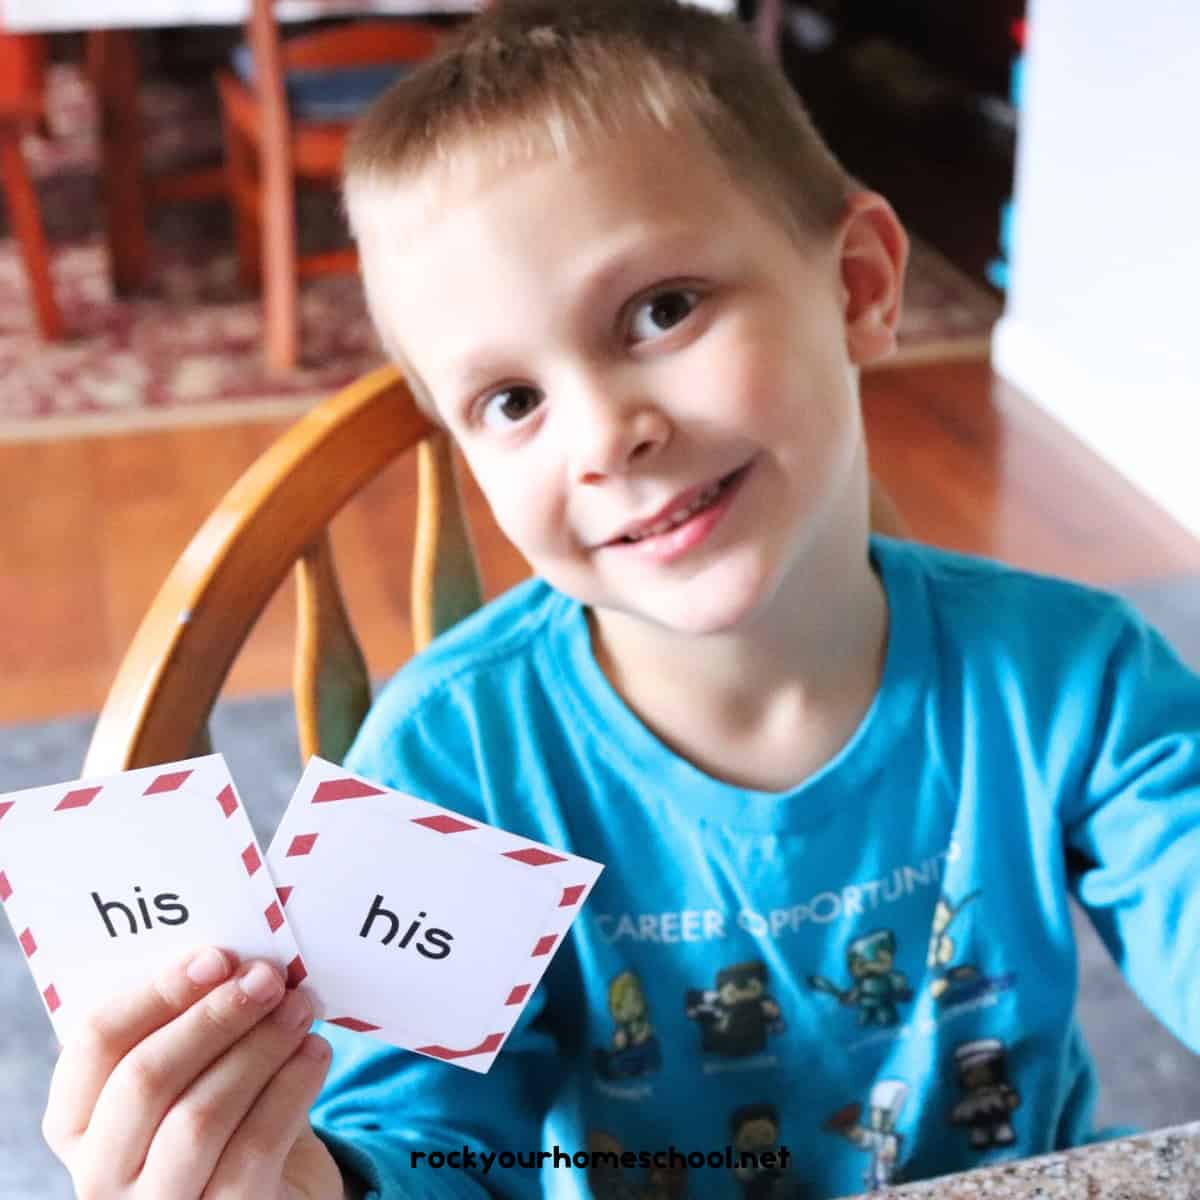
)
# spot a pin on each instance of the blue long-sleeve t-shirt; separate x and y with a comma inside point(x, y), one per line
point(874, 971)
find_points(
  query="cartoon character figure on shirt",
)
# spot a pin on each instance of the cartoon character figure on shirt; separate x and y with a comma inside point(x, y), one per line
point(876, 987)
point(989, 1099)
point(737, 1015)
point(607, 1179)
point(942, 949)
point(755, 1132)
point(666, 1183)
point(878, 1136)
point(635, 1049)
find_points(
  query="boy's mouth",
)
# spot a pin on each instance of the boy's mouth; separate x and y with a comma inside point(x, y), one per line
point(681, 510)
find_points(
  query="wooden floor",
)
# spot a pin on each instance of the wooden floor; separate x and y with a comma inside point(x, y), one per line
point(90, 527)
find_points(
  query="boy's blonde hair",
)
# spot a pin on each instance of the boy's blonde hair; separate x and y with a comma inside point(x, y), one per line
point(532, 78)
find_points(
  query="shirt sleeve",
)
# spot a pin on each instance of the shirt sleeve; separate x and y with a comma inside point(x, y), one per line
point(1133, 826)
point(384, 1110)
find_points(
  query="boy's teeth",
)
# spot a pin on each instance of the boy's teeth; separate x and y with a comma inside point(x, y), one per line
point(680, 515)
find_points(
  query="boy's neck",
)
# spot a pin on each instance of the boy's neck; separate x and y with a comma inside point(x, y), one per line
point(765, 706)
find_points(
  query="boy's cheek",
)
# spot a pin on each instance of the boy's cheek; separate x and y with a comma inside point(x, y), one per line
point(750, 375)
point(522, 508)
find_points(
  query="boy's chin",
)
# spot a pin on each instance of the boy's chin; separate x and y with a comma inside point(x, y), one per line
point(712, 620)
point(697, 612)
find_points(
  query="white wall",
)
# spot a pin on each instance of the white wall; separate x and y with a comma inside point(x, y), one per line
point(1102, 325)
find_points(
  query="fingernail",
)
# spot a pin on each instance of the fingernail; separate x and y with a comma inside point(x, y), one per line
point(293, 1012)
point(261, 983)
point(314, 1047)
point(209, 966)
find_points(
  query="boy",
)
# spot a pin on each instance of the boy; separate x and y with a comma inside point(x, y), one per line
point(620, 266)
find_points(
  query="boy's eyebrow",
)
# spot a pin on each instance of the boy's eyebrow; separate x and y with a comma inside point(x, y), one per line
point(616, 266)
point(632, 256)
point(472, 367)
point(480, 366)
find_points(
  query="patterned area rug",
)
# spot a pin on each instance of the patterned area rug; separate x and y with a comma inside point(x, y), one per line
point(188, 350)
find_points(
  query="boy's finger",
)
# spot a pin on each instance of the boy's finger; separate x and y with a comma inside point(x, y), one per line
point(195, 1131)
point(254, 1158)
point(111, 1031)
point(147, 1081)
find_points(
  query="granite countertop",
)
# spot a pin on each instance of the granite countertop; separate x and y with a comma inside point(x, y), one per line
point(1163, 1165)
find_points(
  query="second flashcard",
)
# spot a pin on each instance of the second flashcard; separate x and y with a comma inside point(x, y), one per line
point(417, 925)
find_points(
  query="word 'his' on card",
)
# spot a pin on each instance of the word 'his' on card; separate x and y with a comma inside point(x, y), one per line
point(107, 881)
point(417, 925)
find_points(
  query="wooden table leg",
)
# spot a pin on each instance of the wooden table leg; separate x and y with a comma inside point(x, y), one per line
point(767, 22)
point(115, 75)
point(26, 222)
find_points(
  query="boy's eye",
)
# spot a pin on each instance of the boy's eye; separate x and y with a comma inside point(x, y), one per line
point(509, 406)
point(661, 312)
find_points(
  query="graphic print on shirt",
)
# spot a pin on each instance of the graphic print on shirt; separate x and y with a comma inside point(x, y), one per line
point(878, 1137)
point(963, 985)
point(947, 978)
point(754, 1129)
point(635, 1049)
point(607, 1178)
point(875, 987)
point(736, 1016)
point(987, 1097)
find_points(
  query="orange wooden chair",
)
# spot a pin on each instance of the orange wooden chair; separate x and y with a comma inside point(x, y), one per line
point(276, 518)
point(278, 135)
point(22, 65)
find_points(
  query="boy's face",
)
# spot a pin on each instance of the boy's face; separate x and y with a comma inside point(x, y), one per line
point(650, 379)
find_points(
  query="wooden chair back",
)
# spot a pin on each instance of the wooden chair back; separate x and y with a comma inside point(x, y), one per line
point(22, 75)
point(358, 44)
point(275, 519)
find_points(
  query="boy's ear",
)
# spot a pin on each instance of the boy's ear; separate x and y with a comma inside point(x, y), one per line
point(874, 251)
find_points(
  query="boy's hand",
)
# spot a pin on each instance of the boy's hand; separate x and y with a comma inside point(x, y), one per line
point(198, 1085)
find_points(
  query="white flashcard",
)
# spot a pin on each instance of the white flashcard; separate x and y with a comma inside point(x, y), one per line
point(417, 925)
point(107, 881)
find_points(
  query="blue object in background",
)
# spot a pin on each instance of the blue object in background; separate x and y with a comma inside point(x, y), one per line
point(997, 269)
point(330, 93)
point(1016, 82)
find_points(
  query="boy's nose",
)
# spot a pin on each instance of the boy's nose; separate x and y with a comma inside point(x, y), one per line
point(612, 438)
